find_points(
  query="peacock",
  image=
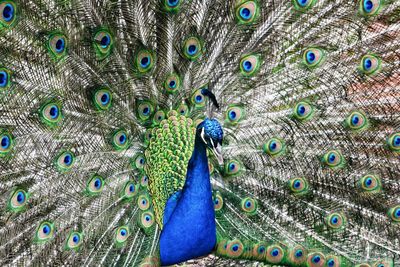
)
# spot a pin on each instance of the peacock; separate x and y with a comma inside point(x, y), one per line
point(199, 132)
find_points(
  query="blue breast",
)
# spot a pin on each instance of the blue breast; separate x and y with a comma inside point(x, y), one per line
point(189, 221)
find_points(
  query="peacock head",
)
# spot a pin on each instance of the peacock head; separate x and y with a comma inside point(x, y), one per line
point(211, 133)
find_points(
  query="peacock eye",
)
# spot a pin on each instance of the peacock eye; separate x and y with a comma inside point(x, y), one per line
point(336, 221)
point(333, 159)
point(370, 183)
point(103, 43)
point(65, 161)
point(121, 234)
point(139, 162)
point(303, 5)
point(5, 81)
point(74, 240)
point(146, 220)
point(233, 167)
point(144, 180)
point(259, 251)
point(370, 64)
point(313, 57)
point(234, 248)
point(145, 110)
point(303, 111)
point(316, 259)
point(274, 254)
point(370, 7)
point(394, 142)
point(8, 13)
point(183, 110)
point(332, 261)
point(299, 186)
point(18, 200)
point(218, 201)
point(120, 140)
point(172, 84)
point(357, 121)
point(383, 263)
point(102, 99)
point(250, 64)
point(172, 5)
point(50, 114)
point(6, 142)
point(158, 117)
point(130, 190)
point(297, 255)
point(57, 45)
point(247, 12)
point(95, 185)
point(249, 205)
point(144, 202)
point(394, 214)
point(275, 147)
point(198, 99)
point(45, 231)
point(144, 61)
point(234, 114)
point(192, 48)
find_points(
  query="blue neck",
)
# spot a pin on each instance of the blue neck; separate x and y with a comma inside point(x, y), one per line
point(190, 231)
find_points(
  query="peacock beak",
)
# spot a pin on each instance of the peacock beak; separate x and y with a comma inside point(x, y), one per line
point(217, 150)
